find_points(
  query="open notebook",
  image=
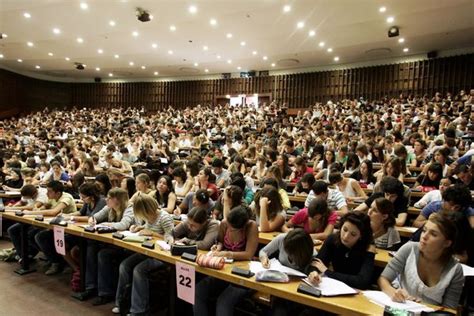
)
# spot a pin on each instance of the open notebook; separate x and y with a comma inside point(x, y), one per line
point(256, 266)
point(380, 298)
point(332, 287)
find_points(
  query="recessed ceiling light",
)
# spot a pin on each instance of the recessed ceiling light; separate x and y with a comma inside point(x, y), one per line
point(156, 73)
point(286, 8)
point(131, 63)
point(56, 31)
point(27, 15)
point(312, 33)
point(254, 52)
point(50, 54)
point(154, 45)
point(143, 67)
point(135, 33)
point(229, 35)
point(37, 67)
point(80, 40)
point(192, 9)
point(1, 56)
point(67, 58)
point(213, 22)
point(30, 44)
point(112, 23)
point(238, 68)
point(151, 17)
point(205, 48)
point(273, 64)
point(19, 60)
point(390, 19)
point(329, 50)
point(97, 69)
point(265, 57)
point(172, 28)
point(229, 61)
point(84, 6)
point(382, 9)
point(100, 51)
point(243, 43)
point(405, 50)
point(196, 64)
point(218, 56)
point(206, 70)
point(4, 35)
point(336, 58)
point(116, 56)
point(170, 52)
point(401, 40)
point(111, 74)
point(321, 44)
point(300, 25)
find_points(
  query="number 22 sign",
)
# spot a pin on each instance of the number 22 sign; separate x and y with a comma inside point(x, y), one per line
point(185, 282)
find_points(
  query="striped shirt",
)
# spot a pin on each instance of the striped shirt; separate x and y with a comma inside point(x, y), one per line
point(163, 225)
point(335, 199)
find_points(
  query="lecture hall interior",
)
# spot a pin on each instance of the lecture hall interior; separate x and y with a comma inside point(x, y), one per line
point(236, 157)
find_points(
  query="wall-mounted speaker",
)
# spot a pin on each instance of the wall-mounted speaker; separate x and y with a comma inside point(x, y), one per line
point(432, 54)
point(97, 79)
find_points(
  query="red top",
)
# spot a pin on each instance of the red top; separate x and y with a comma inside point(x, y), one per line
point(301, 219)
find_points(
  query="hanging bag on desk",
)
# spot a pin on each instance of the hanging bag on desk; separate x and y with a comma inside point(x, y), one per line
point(210, 261)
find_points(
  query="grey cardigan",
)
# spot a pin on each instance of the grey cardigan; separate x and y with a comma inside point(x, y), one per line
point(446, 293)
point(105, 215)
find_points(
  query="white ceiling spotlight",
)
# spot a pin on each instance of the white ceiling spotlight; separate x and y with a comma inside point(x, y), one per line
point(30, 44)
point(229, 35)
point(192, 9)
point(170, 52)
point(405, 50)
point(19, 60)
point(254, 52)
point(401, 40)
point(56, 31)
point(382, 9)
point(50, 54)
point(390, 19)
point(111, 74)
point(321, 44)
point(265, 57)
point(286, 8)
point(112, 23)
point(300, 25)
point(131, 63)
point(273, 64)
point(38, 67)
point(154, 45)
point(243, 43)
point(143, 67)
point(156, 73)
point(329, 50)
point(206, 70)
point(205, 47)
point(100, 51)
point(67, 58)
point(97, 69)
point(196, 64)
point(116, 56)
point(213, 22)
point(172, 28)
point(229, 61)
point(312, 33)
point(27, 15)
point(84, 6)
point(336, 58)
point(135, 34)
point(80, 40)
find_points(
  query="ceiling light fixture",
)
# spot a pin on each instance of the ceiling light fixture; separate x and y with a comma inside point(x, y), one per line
point(116, 56)
point(97, 69)
point(286, 8)
point(206, 70)
point(401, 40)
point(405, 50)
point(27, 15)
point(111, 74)
point(154, 45)
point(329, 50)
point(265, 57)
point(312, 33)
point(156, 73)
point(172, 28)
point(143, 67)
point(229, 61)
point(229, 35)
point(196, 64)
point(131, 63)
point(1, 56)
point(394, 31)
point(382, 9)
point(100, 51)
point(112, 23)
point(192, 9)
point(300, 25)
point(50, 54)
point(238, 68)
point(321, 44)
point(84, 6)
point(67, 58)
point(30, 44)
point(273, 65)
point(80, 66)
point(19, 60)
point(205, 48)
point(37, 67)
point(135, 33)
point(254, 52)
point(218, 56)
point(243, 43)
point(390, 19)
point(213, 22)
point(336, 58)
point(170, 52)
point(3, 35)
point(80, 40)
point(56, 31)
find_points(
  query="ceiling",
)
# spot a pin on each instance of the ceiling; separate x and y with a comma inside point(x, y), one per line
point(355, 31)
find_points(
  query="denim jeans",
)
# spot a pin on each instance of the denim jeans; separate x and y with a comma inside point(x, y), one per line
point(14, 232)
point(227, 297)
point(135, 271)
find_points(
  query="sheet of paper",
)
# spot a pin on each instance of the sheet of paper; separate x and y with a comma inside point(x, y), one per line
point(256, 266)
point(163, 245)
point(467, 270)
point(332, 287)
point(380, 298)
point(128, 233)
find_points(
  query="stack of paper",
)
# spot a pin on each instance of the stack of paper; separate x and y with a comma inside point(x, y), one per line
point(332, 287)
point(256, 266)
point(380, 298)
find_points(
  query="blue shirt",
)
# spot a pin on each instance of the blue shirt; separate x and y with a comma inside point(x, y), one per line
point(436, 206)
point(464, 160)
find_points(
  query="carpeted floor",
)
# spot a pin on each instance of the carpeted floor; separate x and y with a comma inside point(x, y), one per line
point(38, 294)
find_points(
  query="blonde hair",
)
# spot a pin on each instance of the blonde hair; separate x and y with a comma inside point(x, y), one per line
point(144, 206)
point(122, 196)
point(143, 177)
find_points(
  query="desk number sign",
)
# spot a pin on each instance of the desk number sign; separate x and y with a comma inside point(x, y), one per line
point(59, 242)
point(185, 282)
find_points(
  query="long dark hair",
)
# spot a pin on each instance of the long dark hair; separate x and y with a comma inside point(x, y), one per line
point(299, 247)
point(362, 222)
point(163, 199)
point(273, 197)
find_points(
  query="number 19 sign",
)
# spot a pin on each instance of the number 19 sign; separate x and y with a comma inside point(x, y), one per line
point(59, 240)
point(185, 282)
